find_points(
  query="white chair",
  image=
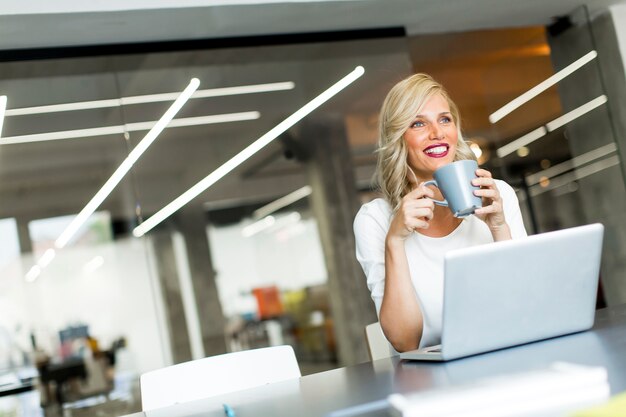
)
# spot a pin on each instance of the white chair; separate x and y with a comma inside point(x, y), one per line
point(377, 344)
point(217, 375)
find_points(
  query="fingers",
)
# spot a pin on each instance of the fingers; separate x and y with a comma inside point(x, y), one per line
point(415, 211)
point(485, 180)
point(416, 223)
point(480, 172)
point(415, 214)
point(420, 191)
point(493, 208)
point(490, 193)
point(488, 189)
point(492, 211)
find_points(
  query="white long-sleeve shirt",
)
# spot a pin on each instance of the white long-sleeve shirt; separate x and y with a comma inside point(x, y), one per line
point(425, 254)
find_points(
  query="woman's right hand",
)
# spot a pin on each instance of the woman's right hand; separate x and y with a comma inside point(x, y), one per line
point(414, 213)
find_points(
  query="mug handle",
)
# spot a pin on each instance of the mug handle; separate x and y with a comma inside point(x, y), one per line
point(438, 202)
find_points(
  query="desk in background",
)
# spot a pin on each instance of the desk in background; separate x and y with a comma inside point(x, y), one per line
point(17, 381)
point(61, 373)
point(322, 393)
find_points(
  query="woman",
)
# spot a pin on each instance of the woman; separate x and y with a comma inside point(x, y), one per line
point(401, 239)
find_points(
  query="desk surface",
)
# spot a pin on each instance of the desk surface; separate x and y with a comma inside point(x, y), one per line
point(338, 389)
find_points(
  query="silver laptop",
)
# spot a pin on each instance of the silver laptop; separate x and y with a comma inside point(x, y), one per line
point(508, 293)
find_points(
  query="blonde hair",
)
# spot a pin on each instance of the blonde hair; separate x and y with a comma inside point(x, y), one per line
point(401, 105)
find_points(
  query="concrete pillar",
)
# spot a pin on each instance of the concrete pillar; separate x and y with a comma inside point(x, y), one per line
point(170, 288)
point(335, 203)
point(602, 195)
point(23, 235)
point(192, 223)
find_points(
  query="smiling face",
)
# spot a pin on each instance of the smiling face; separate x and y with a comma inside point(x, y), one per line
point(431, 139)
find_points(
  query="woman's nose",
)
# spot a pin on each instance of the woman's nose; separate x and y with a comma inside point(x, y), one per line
point(436, 132)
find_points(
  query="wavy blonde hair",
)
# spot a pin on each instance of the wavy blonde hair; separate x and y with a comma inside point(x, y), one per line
point(399, 109)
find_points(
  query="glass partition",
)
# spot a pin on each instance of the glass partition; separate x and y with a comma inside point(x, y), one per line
point(73, 190)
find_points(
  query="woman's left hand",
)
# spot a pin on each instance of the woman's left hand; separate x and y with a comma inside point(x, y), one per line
point(492, 211)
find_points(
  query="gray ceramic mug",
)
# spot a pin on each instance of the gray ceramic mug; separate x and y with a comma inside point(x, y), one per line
point(455, 182)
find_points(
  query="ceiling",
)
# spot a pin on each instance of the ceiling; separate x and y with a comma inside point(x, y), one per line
point(76, 22)
point(481, 68)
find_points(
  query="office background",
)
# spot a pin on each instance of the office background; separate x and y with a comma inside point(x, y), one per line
point(219, 275)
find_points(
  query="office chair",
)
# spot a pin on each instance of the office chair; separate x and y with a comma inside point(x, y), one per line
point(377, 345)
point(217, 375)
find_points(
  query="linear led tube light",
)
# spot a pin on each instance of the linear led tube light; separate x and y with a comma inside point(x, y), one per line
point(523, 141)
point(33, 273)
point(551, 126)
point(578, 174)
point(46, 258)
point(258, 226)
point(282, 202)
point(3, 107)
point(541, 87)
point(246, 153)
point(95, 263)
point(576, 113)
point(126, 165)
point(580, 160)
point(151, 98)
point(130, 127)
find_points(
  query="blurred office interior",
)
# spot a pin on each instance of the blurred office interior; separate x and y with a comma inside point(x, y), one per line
point(265, 255)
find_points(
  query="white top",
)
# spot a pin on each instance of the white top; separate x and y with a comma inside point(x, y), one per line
point(425, 254)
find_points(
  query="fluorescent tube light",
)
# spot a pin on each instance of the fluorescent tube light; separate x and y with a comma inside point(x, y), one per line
point(523, 141)
point(282, 202)
point(541, 87)
point(95, 263)
point(126, 165)
point(571, 164)
point(576, 175)
point(576, 113)
point(284, 221)
point(47, 257)
point(3, 107)
point(33, 273)
point(151, 98)
point(246, 153)
point(550, 126)
point(258, 226)
point(130, 127)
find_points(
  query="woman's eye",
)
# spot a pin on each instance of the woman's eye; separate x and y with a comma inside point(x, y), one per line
point(445, 119)
point(417, 123)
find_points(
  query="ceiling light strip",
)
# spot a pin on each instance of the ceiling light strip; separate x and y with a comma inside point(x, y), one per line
point(126, 165)
point(246, 153)
point(131, 127)
point(541, 87)
point(258, 226)
point(571, 164)
point(551, 126)
point(33, 273)
point(576, 113)
point(523, 141)
point(3, 107)
point(576, 175)
point(245, 89)
point(46, 258)
point(151, 98)
point(284, 201)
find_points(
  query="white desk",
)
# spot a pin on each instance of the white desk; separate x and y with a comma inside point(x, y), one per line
point(322, 393)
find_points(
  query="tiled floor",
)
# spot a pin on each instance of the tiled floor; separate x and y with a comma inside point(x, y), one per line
point(126, 400)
